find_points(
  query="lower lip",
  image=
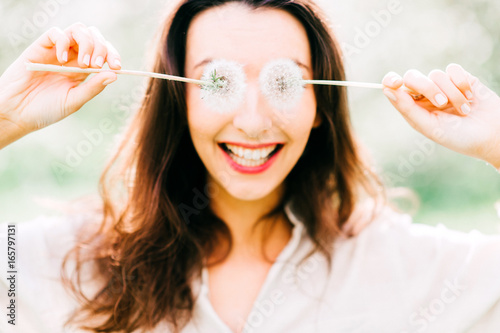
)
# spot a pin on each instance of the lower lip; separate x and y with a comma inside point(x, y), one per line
point(250, 170)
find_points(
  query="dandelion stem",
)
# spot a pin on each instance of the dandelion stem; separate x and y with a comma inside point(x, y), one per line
point(55, 68)
point(60, 69)
point(345, 83)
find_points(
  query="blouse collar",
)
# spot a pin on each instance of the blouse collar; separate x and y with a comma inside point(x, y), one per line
point(298, 234)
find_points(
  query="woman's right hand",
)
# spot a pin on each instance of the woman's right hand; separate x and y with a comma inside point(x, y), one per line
point(31, 100)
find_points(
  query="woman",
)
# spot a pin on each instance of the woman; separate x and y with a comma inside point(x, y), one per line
point(203, 242)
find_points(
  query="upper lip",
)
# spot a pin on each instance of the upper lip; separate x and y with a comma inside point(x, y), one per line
point(252, 146)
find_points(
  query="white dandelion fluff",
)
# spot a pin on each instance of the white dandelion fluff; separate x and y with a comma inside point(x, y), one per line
point(227, 88)
point(281, 83)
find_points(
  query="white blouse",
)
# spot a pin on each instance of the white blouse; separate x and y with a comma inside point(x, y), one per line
point(395, 276)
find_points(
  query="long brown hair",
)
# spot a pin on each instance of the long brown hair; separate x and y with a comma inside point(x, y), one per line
point(152, 241)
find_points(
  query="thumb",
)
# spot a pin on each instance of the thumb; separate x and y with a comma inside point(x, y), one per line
point(418, 117)
point(83, 93)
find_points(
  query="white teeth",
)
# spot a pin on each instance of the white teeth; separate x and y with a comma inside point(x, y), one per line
point(250, 157)
point(248, 154)
point(247, 163)
point(256, 155)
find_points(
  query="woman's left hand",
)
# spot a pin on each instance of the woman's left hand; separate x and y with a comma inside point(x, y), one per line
point(455, 110)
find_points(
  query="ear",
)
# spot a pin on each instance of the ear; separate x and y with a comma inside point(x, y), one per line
point(317, 121)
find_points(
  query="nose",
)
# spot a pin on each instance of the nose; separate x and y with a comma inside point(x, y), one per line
point(253, 117)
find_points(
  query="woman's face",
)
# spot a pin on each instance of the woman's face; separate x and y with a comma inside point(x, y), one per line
point(249, 151)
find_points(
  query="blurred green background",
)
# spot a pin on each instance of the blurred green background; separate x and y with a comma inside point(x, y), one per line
point(377, 37)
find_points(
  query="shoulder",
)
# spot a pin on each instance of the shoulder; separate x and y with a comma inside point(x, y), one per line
point(399, 264)
point(42, 243)
point(70, 219)
point(391, 229)
point(57, 232)
point(400, 228)
point(393, 240)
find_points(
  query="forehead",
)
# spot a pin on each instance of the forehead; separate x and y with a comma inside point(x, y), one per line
point(250, 36)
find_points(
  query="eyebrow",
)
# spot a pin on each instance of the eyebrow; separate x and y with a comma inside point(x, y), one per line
point(301, 64)
point(207, 60)
point(204, 62)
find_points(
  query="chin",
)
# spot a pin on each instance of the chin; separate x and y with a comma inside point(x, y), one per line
point(253, 192)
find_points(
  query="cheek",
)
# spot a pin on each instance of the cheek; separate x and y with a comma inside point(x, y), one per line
point(309, 102)
point(303, 125)
point(301, 120)
point(196, 117)
point(203, 124)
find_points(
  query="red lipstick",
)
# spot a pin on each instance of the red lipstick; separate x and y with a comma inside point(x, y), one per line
point(251, 169)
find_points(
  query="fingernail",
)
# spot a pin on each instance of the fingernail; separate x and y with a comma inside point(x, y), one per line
point(465, 108)
point(390, 95)
point(395, 80)
point(108, 81)
point(118, 63)
point(99, 61)
point(65, 56)
point(86, 59)
point(440, 99)
point(468, 94)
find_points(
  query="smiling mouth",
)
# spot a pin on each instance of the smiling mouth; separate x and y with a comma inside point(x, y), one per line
point(250, 157)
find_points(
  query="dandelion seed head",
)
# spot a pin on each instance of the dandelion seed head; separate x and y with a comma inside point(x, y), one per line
point(227, 88)
point(281, 83)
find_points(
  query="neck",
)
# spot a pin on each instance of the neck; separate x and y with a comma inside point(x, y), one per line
point(241, 217)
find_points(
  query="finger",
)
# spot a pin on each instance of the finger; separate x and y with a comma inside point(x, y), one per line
point(418, 117)
point(392, 80)
point(84, 41)
point(56, 37)
point(459, 77)
point(113, 58)
point(455, 96)
point(421, 84)
point(100, 49)
point(83, 93)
